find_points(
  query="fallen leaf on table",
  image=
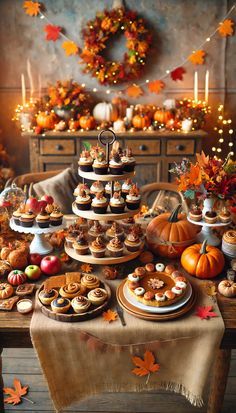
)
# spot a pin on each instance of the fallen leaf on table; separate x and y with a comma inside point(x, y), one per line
point(52, 32)
point(86, 268)
point(70, 47)
point(209, 288)
point(197, 57)
point(177, 74)
point(16, 394)
point(226, 28)
point(32, 8)
point(205, 312)
point(134, 91)
point(110, 316)
point(145, 366)
point(156, 86)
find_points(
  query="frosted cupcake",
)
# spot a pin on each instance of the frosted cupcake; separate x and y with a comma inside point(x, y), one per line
point(99, 204)
point(17, 214)
point(116, 164)
point(95, 230)
point(56, 217)
point(81, 187)
point(127, 223)
point(211, 217)
point(83, 201)
point(98, 248)
point(115, 231)
point(128, 160)
point(43, 219)
point(115, 247)
point(81, 245)
point(100, 165)
point(116, 188)
point(85, 161)
point(96, 187)
point(27, 219)
point(133, 198)
point(132, 242)
point(117, 203)
point(126, 187)
point(225, 216)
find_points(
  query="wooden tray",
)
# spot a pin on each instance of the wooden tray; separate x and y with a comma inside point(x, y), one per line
point(136, 312)
point(105, 178)
point(109, 216)
point(71, 316)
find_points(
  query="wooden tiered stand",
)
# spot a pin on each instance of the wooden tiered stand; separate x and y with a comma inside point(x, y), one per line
point(109, 216)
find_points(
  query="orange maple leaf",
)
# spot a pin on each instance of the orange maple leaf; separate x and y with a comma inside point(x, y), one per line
point(86, 268)
point(109, 316)
point(182, 183)
point(32, 8)
point(226, 28)
point(156, 86)
point(197, 58)
point(146, 366)
point(195, 177)
point(134, 91)
point(16, 393)
point(202, 159)
point(70, 47)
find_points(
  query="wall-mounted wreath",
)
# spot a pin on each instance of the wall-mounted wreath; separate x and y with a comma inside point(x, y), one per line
point(97, 32)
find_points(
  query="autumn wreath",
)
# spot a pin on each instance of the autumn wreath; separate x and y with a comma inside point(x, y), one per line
point(97, 32)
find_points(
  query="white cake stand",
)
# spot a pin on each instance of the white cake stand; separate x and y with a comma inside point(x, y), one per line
point(39, 244)
point(207, 231)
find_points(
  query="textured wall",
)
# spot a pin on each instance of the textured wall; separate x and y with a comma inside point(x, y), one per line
point(179, 27)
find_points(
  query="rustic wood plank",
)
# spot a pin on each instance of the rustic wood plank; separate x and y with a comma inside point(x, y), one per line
point(219, 381)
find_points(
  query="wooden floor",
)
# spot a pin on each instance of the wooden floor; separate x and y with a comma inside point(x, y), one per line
point(23, 364)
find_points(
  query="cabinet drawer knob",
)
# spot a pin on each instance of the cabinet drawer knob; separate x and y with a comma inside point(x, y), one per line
point(143, 147)
point(59, 147)
point(180, 147)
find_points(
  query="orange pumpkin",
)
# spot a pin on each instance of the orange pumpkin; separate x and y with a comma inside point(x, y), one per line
point(87, 122)
point(46, 120)
point(141, 121)
point(121, 105)
point(74, 124)
point(170, 233)
point(163, 116)
point(202, 260)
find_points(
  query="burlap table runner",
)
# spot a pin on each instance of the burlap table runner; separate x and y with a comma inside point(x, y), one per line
point(82, 359)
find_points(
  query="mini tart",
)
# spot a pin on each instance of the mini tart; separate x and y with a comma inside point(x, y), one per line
point(211, 217)
point(98, 248)
point(27, 219)
point(56, 218)
point(80, 304)
point(117, 188)
point(115, 247)
point(81, 187)
point(90, 281)
point(115, 231)
point(99, 204)
point(85, 162)
point(117, 204)
point(16, 216)
point(132, 242)
point(225, 216)
point(83, 202)
point(97, 296)
point(71, 290)
point(43, 219)
point(195, 214)
point(46, 296)
point(6, 291)
point(60, 305)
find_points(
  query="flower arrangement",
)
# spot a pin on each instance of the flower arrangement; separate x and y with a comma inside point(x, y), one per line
point(208, 176)
point(189, 109)
point(68, 95)
point(96, 34)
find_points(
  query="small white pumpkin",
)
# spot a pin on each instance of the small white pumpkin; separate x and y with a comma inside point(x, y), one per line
point(227, 288)
point(104, 111)
point(119, 126)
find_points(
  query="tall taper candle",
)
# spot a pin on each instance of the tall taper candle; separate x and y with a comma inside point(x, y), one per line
point(29, 71)
point(39, 85)
point(207, 86)
point(196, 87)
point(23, 91)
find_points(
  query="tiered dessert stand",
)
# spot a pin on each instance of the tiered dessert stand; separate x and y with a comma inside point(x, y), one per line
point(109, 216)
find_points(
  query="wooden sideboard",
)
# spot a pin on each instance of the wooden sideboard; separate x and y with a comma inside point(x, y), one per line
point(155, 152)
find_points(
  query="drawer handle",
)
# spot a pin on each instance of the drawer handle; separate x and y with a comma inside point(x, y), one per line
point(59, 147)
point(143, 147)
point(180, 147)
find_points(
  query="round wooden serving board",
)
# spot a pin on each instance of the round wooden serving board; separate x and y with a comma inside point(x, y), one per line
point(72, 317)
point(105, 178)
point(108, 216)
point(136, 312)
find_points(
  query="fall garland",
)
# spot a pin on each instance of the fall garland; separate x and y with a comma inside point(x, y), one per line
point(95, 36)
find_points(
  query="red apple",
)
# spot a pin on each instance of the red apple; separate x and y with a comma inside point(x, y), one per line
point(31, 204)
point(35, 259)
point(49, 199)
point(50, 265)
point(41, 205)
point(33, 272)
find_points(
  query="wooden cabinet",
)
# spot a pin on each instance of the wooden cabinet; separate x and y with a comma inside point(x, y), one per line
point(155, 152)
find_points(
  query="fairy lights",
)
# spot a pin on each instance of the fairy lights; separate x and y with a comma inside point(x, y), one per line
point(224, 131)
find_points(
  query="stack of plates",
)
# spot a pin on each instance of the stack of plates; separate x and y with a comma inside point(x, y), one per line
point(137, 309)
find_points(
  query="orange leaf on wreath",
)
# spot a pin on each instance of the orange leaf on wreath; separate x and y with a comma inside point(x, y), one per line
point(134, 91)
point(110, 316)
point(156, 86)
point(226, 28)
point(16, 393)
point(86, 268)
point(32, 8)
point(70, 48)
point(197, 58)
point(145, 366)
point(52, 32)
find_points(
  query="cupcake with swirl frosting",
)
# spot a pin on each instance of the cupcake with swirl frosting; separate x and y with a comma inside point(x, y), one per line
point(97, 296)
point(81, 245)
point(133, 198)
point(128, 160)
point(117, 203)
point(98, 248)
point(85, 161)
point(71, 290)
point(115, 230)
point(46, 296)
point(95, 188)
point(132, 242)
point(90, 281)
point(96, 230)
point(115, 247)
point(80, 304)
point(43, 219)
point(81, 187)
point(99, 204)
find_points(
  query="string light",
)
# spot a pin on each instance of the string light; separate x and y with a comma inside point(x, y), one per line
point(223, 129)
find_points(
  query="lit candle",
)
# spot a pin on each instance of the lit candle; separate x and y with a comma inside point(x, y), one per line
point(196, 87)
point(23, 91)
point(187, 125)
point(29, 72)
point(129, 113)
point(207, 86)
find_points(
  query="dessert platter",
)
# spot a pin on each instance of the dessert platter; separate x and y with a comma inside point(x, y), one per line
point(110, 202)
point(156, 292)
point(73, 297)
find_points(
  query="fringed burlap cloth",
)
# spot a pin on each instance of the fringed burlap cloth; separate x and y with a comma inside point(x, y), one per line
point(82, 359)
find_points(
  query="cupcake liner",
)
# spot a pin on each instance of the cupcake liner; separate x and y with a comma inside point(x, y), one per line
point(86, 168)
point(16, 221)
point(132, 205)
point(43, 224)
point(117, 209)
point(99, 209)
point(27, 224)
point(82, 251)
point(129, 168)
point(56, 223)
point(100, 171)
point(116, 171)
point(83, 207)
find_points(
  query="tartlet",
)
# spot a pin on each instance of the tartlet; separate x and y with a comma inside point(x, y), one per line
point(132, 242)
point(85, 161)
point(100, 165)
point(116, 165)
point(96, 187)
point(27, 219)
point(99, 203)
point(47, 296)
point(56, 217)
point(80, 304)
point(195, 214)
point(133, 198)
point(117, 203)
point(211, 217)
point(115, 230)
point(43, 219)
point(60, 305)
point(128, 160)
point(95, 230)
point(83, 201)
point(225, 216)
point(81, 245)
point(115, 247)
point(97, 248)
point(97, 296)
point(116, 188)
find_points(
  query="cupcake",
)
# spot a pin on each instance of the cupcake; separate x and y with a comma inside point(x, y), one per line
point(128, 160)
point(17, 214)
point(95, 150)
point(85, 161)
point(60, 305)
point(96, 187)
point(117, 203)
point(81, 187)
point(98, 248)
point(97, 296)
point(27, 219)
point(225, 216)
point(195, 214)
point(80, 224)
point(108, 188)
point(95, 230)
point(56, 217)
point(83, 201)
point(138, 229)
point(211, 217)
point(43, 219)
point(80, 304)
point(100, 165)
point(106, 225)
point(133, 198)
point(115, 164)
point(115, 231)
point(126, 187)
point(81, 246)
point(132, 242)
point(115, 247)
point(71, 236)
point(99, 204)
point(127, 223)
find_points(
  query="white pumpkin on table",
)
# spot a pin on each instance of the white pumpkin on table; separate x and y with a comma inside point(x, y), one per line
point(119, 125)
point(104, 111)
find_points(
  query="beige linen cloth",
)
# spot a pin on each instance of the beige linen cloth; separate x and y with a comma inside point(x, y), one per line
point(85, 358)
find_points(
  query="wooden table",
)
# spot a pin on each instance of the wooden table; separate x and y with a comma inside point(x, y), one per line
point(14, 332)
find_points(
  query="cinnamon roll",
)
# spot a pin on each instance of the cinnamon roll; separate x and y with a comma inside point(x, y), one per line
point(71, 290)
point(47, 296)
point(80, 304)
point(97, 296)
point(90, 281)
